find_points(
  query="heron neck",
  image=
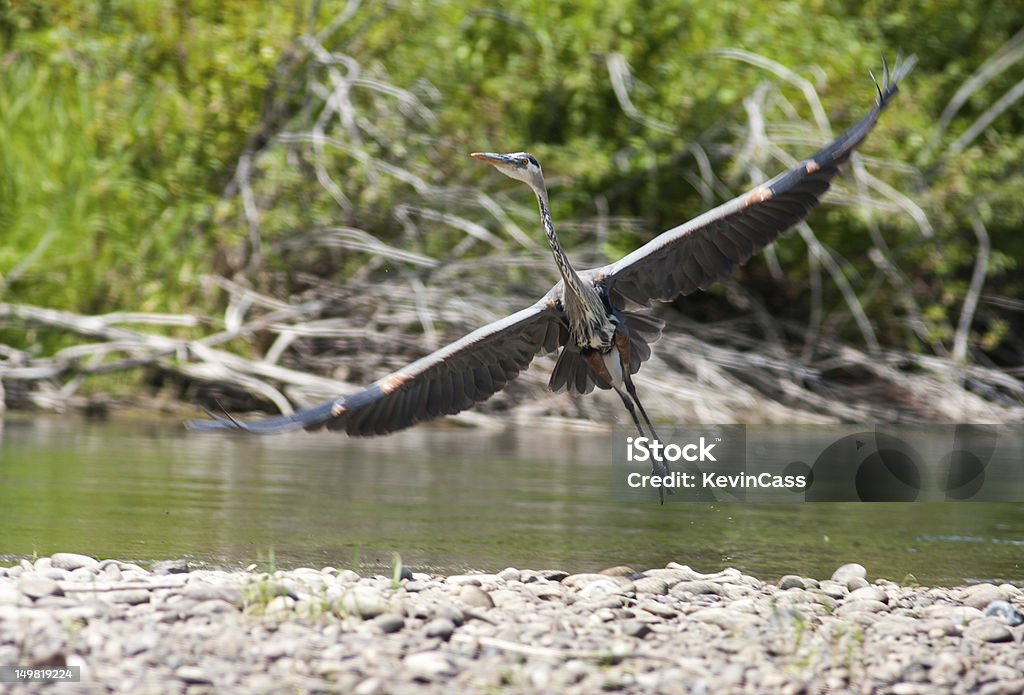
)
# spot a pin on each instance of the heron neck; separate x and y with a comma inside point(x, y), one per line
point(573, 283)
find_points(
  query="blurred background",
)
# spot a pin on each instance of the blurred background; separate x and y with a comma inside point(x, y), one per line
point(212, 191)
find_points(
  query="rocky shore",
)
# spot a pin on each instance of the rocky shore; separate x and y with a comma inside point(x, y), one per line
point(166, 629)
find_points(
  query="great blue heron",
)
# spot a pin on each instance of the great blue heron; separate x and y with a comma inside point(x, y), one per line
point(602, 343)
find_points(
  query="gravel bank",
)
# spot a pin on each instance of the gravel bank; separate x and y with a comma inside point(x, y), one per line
point(671, 630)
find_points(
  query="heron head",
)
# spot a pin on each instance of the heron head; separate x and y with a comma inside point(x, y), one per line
point(521, 166)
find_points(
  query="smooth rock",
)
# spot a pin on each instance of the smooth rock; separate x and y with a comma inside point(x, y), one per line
point(429, 666)
point(857, 583)
point(439, 627)
point(510, 574)
point(791, 581)
point(451, 613)
point(844, 574)
point(364, 602)
point(698, 587)
point(35, 586)
point(868, 593)
point(475, 596)
point(1006, 612)
point(983, 594)
point(131, 597)
point(600, 587)
point(659, 609)
point(193, 675)
point(988, 629)
point(389, 623)
point(650, 585)
point(619, 571)
point(833, 589)
point(635, 628)
point(73, 561)
point(170, 567)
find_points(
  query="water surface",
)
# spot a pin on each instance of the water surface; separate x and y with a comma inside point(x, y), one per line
point(447, 499)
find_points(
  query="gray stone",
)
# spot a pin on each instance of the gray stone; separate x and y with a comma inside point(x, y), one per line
point(659, 609)
point(650, 585)
point(981, 595)
point(791, 581)
point(1006, 612)
point(193, 675)
point(635, 628)
point(476, 597)
point(699, 587)
point(618, 571)
point(364, 602)
point(73, 561)
point(450, 613)
point(429, 666)
point(868, 593)
point(510, 574)
point(833, 589)
point(857, 583)
point(205, 591)
point(389, 622)
point(212, 607)
point(170, 567)
point(35, 586)
point(439, 627)
point(989, 629)
point(601, 587)
point(844, 574)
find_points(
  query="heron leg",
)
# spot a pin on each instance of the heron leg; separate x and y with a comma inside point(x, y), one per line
point(657, 467)
point(632, 392)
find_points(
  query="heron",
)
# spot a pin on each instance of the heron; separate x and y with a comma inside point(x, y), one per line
point(592, 318)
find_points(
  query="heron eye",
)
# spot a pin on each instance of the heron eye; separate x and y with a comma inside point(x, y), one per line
point(524, 162)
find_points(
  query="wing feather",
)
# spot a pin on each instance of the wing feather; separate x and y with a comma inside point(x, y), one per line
point(710, 247)
point(444, 382)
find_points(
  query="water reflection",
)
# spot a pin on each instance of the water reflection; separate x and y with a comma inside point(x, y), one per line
point(448, 499)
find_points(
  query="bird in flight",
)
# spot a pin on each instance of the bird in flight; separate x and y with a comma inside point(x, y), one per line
point(590, 316)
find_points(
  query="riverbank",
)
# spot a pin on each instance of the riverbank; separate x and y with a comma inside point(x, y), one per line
point(166, 629)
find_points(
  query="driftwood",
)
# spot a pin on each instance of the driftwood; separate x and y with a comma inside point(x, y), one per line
point(727, 375)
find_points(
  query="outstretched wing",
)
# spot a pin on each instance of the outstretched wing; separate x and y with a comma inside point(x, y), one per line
point(712, 246)
point(444, 382)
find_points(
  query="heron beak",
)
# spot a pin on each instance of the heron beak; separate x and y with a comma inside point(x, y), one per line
point(489, 157)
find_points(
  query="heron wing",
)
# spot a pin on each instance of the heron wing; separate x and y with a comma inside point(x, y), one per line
point(712, 246)
point(444, 382)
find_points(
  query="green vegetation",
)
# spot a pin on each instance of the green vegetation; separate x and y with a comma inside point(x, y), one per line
point(145, 145)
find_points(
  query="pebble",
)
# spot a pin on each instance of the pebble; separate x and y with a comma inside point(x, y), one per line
point(791, 581)
point(72, 561)
point(980, 595)
point(170, 567)
point(439, 627)
point(669, 629)
point(389, 622)
point(1004, 610)
point(476, 597)
point(429, 666)
point(868, 593)
point(364, 602)
point(989, 629)
point(844, 574)
point(35, 586)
